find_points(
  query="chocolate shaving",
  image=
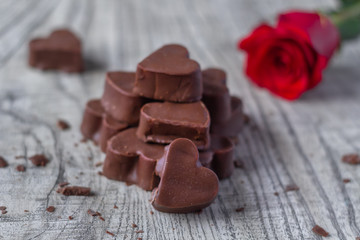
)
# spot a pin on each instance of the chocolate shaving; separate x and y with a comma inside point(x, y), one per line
point(346, 180)
point(320, 231)
point(74, 191)
point(20, 168)
point(291, 187)
point(139, 231)
point(239, 164)
point(352, 159)
point(92, 212)
point(2, 208)
point(133, 225)
point(26, 210)
point(101, 218)
point(39, 160)
point(110, 233)
point(239, 209)
point(51, 209)
point(100, 173)
point(276, 193)
point(63, 125)
point(71, 218)
point(4, 212)
point(115, 206)
point(3, 162)
point(151, 212)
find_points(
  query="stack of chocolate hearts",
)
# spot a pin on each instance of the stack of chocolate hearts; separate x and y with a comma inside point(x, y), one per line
point(156, 131)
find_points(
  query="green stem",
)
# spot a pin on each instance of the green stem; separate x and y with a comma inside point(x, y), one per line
point(352, 11)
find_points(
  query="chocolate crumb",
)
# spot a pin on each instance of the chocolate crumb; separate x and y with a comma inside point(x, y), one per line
point(151, 212)
point(139, 238)
point(101, 218)
point(238, 163)
point(81, 173)
point(74, 191)
point(133, 225)
point(39, 160)
point(2, 208)
point(100, 173)
point(276, 193)
point(352, 159)
point(92, 213)
point(3, 212)
point(3, 162)
point(320, 231)
point(26, 210)
point(110, 233)
point(239, 209)
point(51, 209)
point(20, 168)
point(346, 180)
point(20, 157)
point(98, 164)
point(71, 217)
point(63, 184)
point(139, 231)
point(115, 206)
point(291, 187)
point(63, 125)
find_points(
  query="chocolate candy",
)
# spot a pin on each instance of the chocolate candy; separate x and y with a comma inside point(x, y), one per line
point(185, 186)
point(216, 95)
point(61, 51)
point(118, 99)
point(109, 128)
point(92, 119)
point(220, 156)
point(169, 75)
point(164, 122)
point(232, 127)
point(227, 118)
point(130, 160)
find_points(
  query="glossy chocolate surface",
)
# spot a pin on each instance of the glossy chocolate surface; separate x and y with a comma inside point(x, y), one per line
point(164, 122)
point(169, 75)
point(92, 119)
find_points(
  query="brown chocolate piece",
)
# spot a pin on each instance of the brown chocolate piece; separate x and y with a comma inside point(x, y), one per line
point(51, 209)
point(185, 186)
point(232, 127)
point(61, 51)
point(39, 160)
point(291, 187)
point(216, 95)
point(320, 231)
point(74, 191)
point(346, 180)
point(164, 122)
point(63, 184)
point(130, 160)
point(118, 99)
point(2, 208)
point(20, 168)
point(219, 157)
point(110, 233)
point(352, 159)
point(92, 119)
point(109, 127)
point(63, 125)
point(93, 213)
point(227, 117)
point(3, 162)
point(169, 75)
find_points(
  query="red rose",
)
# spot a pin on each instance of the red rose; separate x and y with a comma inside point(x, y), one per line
point(289, 59)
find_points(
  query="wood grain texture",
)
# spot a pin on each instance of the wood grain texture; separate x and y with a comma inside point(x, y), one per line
point(286, 143)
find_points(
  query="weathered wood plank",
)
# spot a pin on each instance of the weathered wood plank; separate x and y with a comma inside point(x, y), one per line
point(286, 143)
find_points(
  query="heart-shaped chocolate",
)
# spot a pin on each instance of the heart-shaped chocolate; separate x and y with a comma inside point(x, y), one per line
point(169, 75)
point(130, 160)
point(162, 122)
point(118, 99)
point(185, 186)
point(220, 156)
point(61, 51)
point(92, 118)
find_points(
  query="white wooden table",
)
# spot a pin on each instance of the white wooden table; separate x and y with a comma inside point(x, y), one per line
point(287, 143)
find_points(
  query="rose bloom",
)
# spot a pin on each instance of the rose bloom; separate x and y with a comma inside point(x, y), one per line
point(289, 59)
